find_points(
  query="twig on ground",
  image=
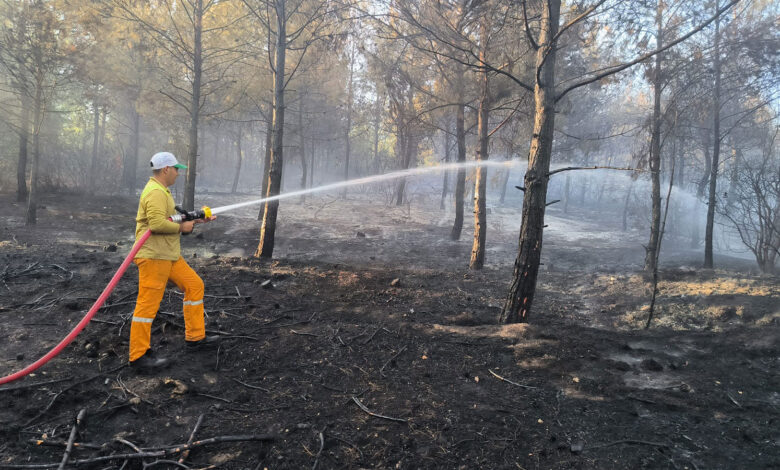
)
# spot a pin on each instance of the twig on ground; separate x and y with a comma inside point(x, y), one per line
point(151, 452)
point(510, 382)
point(319, 453)
point(215, 397)
point(643, 400)
point(301, 333)
point(391, 360)
point(372, 336)
point(363, 407)
point(249, 386)
point(186, 453)
point(62, 443)
point(73, 432)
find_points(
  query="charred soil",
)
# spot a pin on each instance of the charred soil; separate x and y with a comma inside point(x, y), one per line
point(367, 343)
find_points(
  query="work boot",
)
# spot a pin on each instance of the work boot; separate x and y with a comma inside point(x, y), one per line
point(210, 341)
point(147, 363)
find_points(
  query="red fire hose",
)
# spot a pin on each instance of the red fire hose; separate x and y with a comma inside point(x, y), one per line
point(83, 323)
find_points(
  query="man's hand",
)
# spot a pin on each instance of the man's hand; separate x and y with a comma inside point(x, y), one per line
point(207, 219)
point(186, 227)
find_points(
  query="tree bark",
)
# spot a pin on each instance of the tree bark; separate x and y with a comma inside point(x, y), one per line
point(268, 230)
point(269, 142)
point(24, 136)
point(240, 160)
point(655, 149)
point(708, 261)
point(523, 286)
point(197, 72)
point(480, 183)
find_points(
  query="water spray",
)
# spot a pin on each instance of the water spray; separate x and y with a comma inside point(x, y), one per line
point(205, 213)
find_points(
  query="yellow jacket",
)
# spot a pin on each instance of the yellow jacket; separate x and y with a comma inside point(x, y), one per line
point(154, 208)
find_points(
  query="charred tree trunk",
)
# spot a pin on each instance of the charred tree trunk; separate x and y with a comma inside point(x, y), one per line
point(566, 193)
point(705, 178)
point(446, 183)
point(268, 230)
point(131, 158)
point(38, 111)
point(523, 286)
point(655, 151)
point(708, 261)
point(269, 133)
point(24, 136)
point(239, 161)
point(480, 181)
point(197, 72)
point(460, 182)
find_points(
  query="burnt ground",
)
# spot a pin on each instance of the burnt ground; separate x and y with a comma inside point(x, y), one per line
point(372, 304)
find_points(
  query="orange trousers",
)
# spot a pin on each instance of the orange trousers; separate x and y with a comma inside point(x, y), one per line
point(153, 276)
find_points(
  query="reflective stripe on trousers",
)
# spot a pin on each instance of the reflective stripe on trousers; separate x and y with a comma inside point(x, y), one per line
point(153, 276)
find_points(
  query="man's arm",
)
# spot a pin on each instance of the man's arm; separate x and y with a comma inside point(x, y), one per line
point(155, 205)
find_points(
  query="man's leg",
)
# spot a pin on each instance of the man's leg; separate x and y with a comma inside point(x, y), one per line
point(152, 279)
point(188, 281)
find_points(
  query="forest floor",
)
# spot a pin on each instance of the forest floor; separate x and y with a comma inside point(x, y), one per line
point(374, 346)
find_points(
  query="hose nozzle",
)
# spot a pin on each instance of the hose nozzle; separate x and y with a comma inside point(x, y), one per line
point(183, 215)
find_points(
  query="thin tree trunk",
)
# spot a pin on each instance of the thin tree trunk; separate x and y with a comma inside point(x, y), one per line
point(446, 183)
point(707, 164)
point(32, 199)
point(523, 287)
point(626, 204)
point(348, 128)
point(302, 144)
point(131, 159)
point(95, 140)
point(269, 133)
point(460, 182)
point(708, 261)
point(480, 181)
point(265, 248)
point(240, 160)
point(24, 136)
point(655, 150)
point(566, 193)
point(197, 72)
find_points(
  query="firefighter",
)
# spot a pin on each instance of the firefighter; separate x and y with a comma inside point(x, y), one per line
point(159, 261)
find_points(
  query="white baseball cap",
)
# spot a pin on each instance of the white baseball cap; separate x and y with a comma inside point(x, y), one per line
point(162, 159)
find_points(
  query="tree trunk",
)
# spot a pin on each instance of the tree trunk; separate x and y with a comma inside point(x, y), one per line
point(265, 248)
point(504, 184)
point(24, 136)
point(460, 182)
point(269, 133)
point(446, 183)
point(481, 181)
point(240, 160)
point(302, 144)
point(566, 193)
point(95, 140)
point(32, 199)
point(523, 286)
point(655, 150)
point(708, 261)
point(348, 129)
point(707, 164)
point(377, 163)
point(131, 159)
point(197, 72)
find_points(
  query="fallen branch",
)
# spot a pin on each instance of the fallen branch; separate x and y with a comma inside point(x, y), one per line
point(363, 407)
point(510, 382)
point(37, 384)
point(186, 453)
point(626, 441)
point(73, 432)
point(152, 452)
